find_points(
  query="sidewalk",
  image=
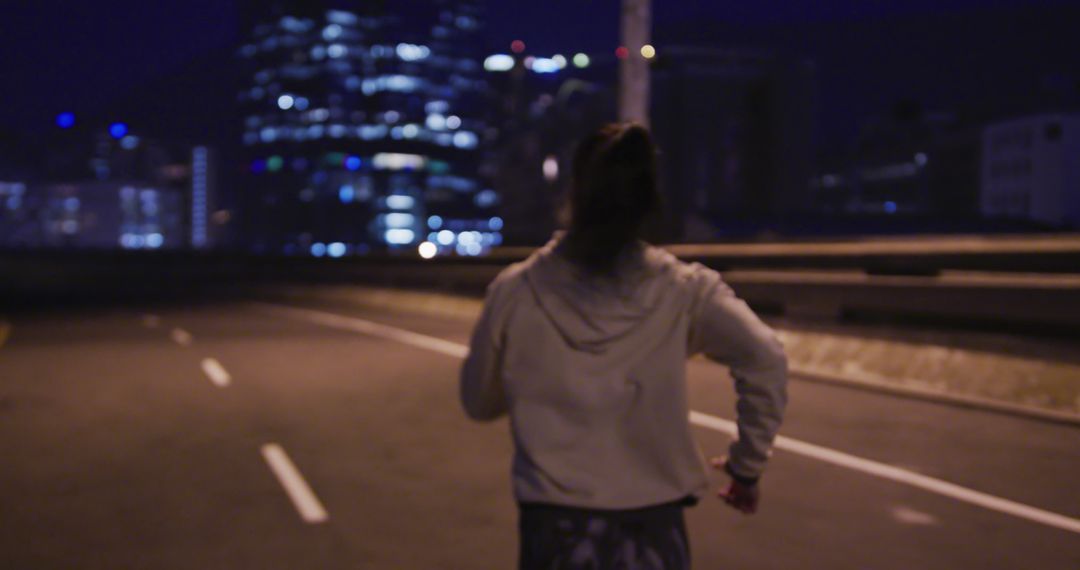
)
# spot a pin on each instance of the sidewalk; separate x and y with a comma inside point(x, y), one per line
point(1044, 387)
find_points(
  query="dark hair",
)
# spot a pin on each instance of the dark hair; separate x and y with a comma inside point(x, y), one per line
point(613, 192)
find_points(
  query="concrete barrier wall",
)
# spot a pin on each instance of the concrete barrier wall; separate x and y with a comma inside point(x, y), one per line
point(1045, 303)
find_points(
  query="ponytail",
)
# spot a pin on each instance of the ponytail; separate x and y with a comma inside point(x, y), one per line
point(613, 193)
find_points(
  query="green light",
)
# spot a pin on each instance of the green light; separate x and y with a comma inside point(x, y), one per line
point(581, 60)
point(334, 158)
point(438, 167)
point(274, 163)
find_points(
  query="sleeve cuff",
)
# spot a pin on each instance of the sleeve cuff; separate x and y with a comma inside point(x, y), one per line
point(740, 479)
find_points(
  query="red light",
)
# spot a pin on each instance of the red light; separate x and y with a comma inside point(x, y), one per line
point(621, 52)
point(517, 46)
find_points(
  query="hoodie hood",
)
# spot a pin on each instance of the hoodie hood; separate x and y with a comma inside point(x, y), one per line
point(593, 312)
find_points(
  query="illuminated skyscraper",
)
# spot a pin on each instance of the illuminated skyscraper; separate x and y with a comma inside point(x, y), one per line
point(364, 127)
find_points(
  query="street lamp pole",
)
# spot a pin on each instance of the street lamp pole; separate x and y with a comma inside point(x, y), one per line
point(635, 31)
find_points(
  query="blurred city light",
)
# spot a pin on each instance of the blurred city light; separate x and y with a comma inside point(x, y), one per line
point(346, 193)
point(545, 65)
point(118, 130)
point(398, 236)
point(648, 51)
point(318, 249)
point(499, 62)
point(551, 168)
point(353, 162)
point(400, 202)
point(130, 142)
point(65, 120)
point(336, 249)
point(581, 60)
point(517, 46)
point(435, 222)
point(285, 102)
point(412, 52)
point(621, 52)
point(398, 161)
point(428, 250)
point(399, 220)
point(559, 60)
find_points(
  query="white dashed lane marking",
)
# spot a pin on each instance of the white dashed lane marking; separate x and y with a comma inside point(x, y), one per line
point(216, 372)
point(307, 504)
point(181, 337)
point(820, 453)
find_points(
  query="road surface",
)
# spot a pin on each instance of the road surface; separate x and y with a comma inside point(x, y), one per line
point(240, 435)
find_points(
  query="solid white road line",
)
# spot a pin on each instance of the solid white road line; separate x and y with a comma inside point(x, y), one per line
point(151, 321)
point(372, 328)
point(728, 427)
point(899, 475)
point(217, 373)
point(181, 337)
point(303, 498)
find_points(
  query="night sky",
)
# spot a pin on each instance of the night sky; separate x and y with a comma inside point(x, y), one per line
point(84, 56)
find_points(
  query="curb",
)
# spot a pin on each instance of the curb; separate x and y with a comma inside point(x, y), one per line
point(944, 398)
point(463, 307)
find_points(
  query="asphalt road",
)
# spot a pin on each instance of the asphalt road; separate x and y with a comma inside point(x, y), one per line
point(121, 446)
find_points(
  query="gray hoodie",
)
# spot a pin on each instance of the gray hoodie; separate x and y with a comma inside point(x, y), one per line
point(592, 372)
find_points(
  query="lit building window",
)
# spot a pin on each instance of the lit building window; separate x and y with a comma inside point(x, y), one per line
point(399, 220)
point(436, 107)
point(341, 17)
point(466, 140)
point(399, 236)
point(411, 52)
point(400, 202)
point(331, 32)
point(398, 161)
point(499, 62)
point(486, 198)
point(346, 194)
point(435, 122)
point(545, 65)
point(336, 50)
point(336, 249)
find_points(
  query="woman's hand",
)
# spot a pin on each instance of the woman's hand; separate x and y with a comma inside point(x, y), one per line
point(740, 496)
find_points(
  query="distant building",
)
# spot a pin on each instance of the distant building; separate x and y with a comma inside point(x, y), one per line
point(1031, 170)
point(911, 166)
point(544, 106)
point(365, 131)
point(735, 130)
point(107, 188)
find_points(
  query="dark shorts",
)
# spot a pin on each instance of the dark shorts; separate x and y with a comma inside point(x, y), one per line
point(564, 538)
